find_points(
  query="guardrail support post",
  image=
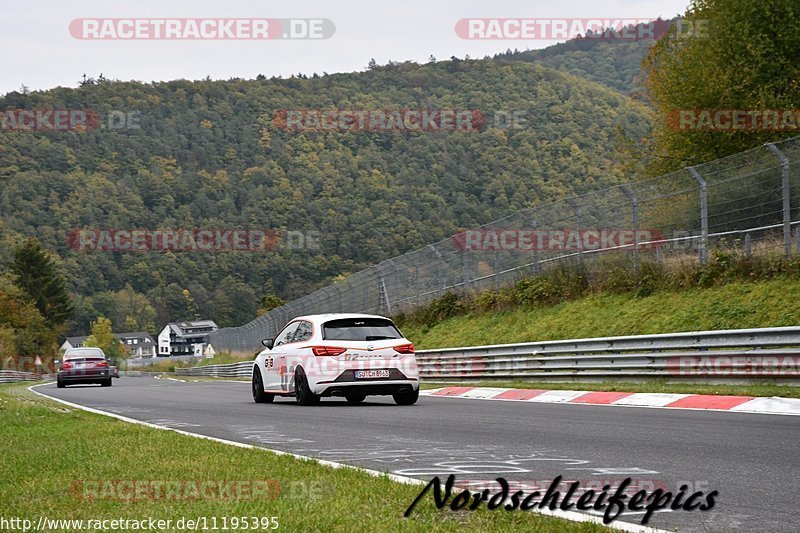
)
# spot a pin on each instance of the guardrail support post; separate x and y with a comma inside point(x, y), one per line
point(703, 214)
point(787, 199)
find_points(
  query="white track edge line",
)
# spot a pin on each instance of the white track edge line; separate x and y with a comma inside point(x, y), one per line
point(566, 515)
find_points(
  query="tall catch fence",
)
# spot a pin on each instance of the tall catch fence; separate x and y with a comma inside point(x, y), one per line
point(750, 200)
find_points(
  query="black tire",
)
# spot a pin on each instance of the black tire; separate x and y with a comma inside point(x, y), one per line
point(302, 392)
point(106, 382)
point(409, 398)
point(355, 398)
point(60, 383)
point(259, 396)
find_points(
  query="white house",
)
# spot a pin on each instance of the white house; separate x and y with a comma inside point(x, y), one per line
point(184, 338)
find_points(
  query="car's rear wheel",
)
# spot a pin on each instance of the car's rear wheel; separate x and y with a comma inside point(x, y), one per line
point(106, 382)
point(407, 398)
point(60, 383)
point(301, 389)
point(259, 396)
point(355, 398)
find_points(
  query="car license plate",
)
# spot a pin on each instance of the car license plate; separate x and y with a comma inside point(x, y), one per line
point(370, 374)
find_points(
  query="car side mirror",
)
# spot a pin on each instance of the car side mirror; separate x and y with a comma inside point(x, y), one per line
point(57, 362)
point(269, 343)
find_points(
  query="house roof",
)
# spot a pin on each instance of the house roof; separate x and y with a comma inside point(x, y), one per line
point(193, 324)
point(75, 341)
point(143, 336)
point(180, 328)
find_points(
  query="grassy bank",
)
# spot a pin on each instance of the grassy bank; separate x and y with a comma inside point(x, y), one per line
point(738, 304)
point(51, 452)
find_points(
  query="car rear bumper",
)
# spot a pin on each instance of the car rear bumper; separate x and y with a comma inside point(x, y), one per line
point(83, 377)
point(372, 387)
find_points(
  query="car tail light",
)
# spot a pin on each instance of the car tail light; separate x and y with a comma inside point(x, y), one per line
point(66, 366)
point(328, 350)
point(102, 364)
point(404, 348)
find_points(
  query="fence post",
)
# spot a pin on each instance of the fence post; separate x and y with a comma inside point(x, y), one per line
point(383, 303)
point(787, 203)
point(579, 216)
point(635, 224)
point(703, 214)
point(436, 274)
point(416, 285)
point(496, 271)
point(464, 275)
point(534, 224)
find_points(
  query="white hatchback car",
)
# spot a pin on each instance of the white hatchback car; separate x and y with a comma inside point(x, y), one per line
point(348, 355)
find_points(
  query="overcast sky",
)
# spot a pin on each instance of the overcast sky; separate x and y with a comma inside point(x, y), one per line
point(37, 49)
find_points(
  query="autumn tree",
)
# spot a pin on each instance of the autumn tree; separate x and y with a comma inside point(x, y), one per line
point(103, 337)
point(724, 54)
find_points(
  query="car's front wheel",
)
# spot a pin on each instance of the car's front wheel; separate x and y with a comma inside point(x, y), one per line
point(301, 389)
point(259, 396)
point(407, 398)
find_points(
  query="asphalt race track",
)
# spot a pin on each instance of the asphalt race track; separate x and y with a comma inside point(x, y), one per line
point(752, 460)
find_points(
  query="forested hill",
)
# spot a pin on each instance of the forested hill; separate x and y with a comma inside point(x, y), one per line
point(212, 154)
point(616, 63)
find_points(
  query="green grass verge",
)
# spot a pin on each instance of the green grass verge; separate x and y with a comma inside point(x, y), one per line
point(47, 447)
point(735, 305)
point(766, 389)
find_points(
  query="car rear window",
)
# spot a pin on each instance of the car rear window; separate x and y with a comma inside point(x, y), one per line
point(360, 329)
point(84, 353)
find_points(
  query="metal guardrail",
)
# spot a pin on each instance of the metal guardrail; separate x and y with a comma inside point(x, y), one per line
point(742, 354)
point(232, 370)
point(11, 376)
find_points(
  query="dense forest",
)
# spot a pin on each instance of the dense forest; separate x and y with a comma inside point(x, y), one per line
point(215, 154)
point(616, 64)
